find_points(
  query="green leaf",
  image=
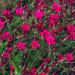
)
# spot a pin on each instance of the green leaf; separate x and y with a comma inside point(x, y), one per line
point(2, 46)
point(73, 21)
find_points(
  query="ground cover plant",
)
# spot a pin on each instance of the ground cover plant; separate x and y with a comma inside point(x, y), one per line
point(37, 37)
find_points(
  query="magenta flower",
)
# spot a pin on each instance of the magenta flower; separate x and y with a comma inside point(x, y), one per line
point(6, 36)
point(6, 12)
point(19, 11)
point(12, 68)
point(72, 36)
point(5, 55)
point(70, 28)
point(39, 14)
point(35, 44)
point(25, 27)
point(2, 24)
point(53, 20)
point(50, 40)
point(59, 56)
point(45, 33)
point(69, 57)
point(47, 60)
point(9, 50)
point(32, 70)
point(21, 46)
point(53, 16)
point(40, 26)
point(71, 31)
point(56, 7)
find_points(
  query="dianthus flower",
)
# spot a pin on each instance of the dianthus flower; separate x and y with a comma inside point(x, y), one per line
point(35, 44)
point(54, 16)
point(19, 11)
point(40, 26)
point(9, 49)
point(53, 20)
point(25, 27)
point(33, 71)
point(70, 28)
point(72, 36)
point(12, 68)
point(59, 56)
point(50, 40)
point(45, 33)
point(39, 14)
point(69, 57)
point(47, 60)
point(6, 36)
point(2, 24)
point(21, 45)
point(56, 7)
point(71, 31)
point(6, 12)
point(5, 55)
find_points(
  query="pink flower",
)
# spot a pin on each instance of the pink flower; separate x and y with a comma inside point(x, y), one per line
point(70, 28)
point(35, 44)
point(45, 33)
point(50, 40)
point(60, 57)
point(5, 55)
point(54, 63)
point(56, 7)
point(39, 14)
point(46, 69)
point(71, 31)
point(19, 11)
point(21, 46)
point(53, 16)
point(6, 36)
point(9, 49)
point(53, 20)
point(43, 73)
point(69, 57)
point(40, 26)
point(25, 27)
point(6, 12)
point(2, 24)
point(72, 36)
point(12, 68)
point(33, 71)
point(47, 60)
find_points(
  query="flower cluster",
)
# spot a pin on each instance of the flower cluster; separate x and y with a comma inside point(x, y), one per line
point(37, 37)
